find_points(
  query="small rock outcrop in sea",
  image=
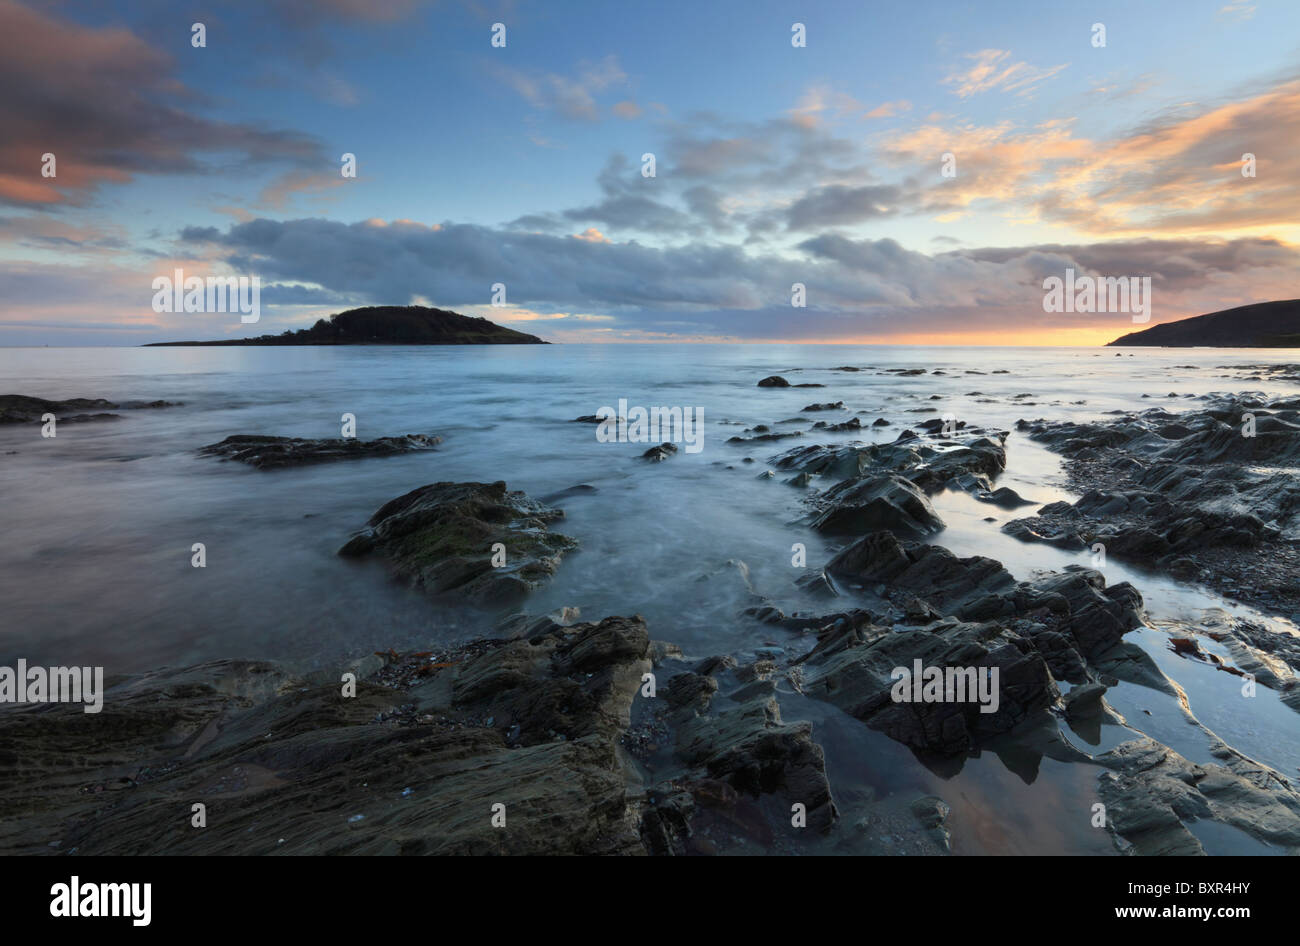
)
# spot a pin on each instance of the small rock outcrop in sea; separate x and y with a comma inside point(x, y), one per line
point(21, 409)
point(273, 453)
point(445, 537)
point(930, 466)
point(774, 381)
point(828, 406)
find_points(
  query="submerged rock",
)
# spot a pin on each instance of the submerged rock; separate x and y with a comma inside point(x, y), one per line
point(444, 537)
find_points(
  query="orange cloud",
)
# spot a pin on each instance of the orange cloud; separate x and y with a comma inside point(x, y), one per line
point(1180, 174)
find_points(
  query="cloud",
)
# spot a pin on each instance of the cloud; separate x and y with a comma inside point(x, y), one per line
point(711, 289)
point(106, 105)
point(821, 103)
point(838, 205)
point(1238, 10)
point(573, 97)
point(304, 12)
point(280, 192)
point(889, 109)
point(1178, 173)
point(991, 69)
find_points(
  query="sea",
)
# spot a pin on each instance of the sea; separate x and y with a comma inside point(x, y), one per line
point(100, 521)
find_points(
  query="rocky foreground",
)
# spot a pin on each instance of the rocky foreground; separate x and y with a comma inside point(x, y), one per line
point(554, 735)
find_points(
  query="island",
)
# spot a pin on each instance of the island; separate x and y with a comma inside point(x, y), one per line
point(388, 325)
point(1260, 325)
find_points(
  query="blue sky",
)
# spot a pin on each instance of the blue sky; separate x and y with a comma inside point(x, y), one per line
point(521, 164)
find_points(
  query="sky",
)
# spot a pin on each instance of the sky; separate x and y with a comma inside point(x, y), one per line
point(919, 168)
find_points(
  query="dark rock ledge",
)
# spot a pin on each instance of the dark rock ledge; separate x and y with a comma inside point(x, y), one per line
point(274, 453)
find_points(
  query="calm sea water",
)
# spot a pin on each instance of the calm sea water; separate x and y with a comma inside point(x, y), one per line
point(99, 521)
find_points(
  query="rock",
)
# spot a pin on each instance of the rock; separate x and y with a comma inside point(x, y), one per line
point(285, 762)
point(440, 538)
point(775, 381)
point(269, 453)
point(755, 752)
point(531, 627)
point(818, 583)
point(861, 680)
point(879, 502)
point(660, 453)
point(930, 810)
point(21, 409)
point(1085, 701)
point(974, 587)
point(766, 437)
point(829, 406)
point(1005, 497)
point(582, 489)
point(1150, 791)
point(1025, 531)
point(852, 423)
